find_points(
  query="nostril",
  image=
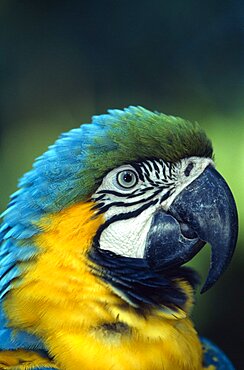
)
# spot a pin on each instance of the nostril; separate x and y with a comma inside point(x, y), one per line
point(187, 232)
point(188, 169)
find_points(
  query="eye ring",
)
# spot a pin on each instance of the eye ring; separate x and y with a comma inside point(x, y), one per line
point(127, 179)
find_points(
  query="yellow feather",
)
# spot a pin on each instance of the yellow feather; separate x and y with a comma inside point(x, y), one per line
point(64, 303)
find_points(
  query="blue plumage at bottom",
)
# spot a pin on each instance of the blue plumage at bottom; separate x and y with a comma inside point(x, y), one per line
point(214, 356)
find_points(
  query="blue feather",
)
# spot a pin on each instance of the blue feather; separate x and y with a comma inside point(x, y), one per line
point(14, 339)
point(214, 356)
point(55, 182)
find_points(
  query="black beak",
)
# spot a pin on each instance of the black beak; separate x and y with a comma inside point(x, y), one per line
point(204, 211)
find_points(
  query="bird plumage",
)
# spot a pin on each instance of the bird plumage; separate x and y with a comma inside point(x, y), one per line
point(70, 296)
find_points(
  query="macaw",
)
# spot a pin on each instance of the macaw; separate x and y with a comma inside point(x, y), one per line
point(94, 242)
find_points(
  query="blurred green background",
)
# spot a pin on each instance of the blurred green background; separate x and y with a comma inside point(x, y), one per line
point(64, 61)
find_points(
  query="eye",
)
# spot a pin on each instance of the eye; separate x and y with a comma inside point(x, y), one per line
point(188, 169)
point(127, 179)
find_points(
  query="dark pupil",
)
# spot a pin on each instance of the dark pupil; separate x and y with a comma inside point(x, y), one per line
point(188, 169)
point(127, 177)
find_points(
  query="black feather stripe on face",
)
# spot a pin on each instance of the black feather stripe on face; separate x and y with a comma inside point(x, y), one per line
point(131, 277)
point(155, 176)
point(139, 284)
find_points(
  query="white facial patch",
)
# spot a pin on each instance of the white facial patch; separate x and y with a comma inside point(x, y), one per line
point(130, 195)
point(128, 237)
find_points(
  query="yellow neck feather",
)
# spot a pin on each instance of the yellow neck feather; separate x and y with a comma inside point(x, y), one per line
point(83, 323)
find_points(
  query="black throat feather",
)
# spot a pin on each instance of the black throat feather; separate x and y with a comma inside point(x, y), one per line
point(141, 286)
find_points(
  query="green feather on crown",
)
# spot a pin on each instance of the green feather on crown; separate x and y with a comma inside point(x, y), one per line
point(136, 133)
point(72, 168)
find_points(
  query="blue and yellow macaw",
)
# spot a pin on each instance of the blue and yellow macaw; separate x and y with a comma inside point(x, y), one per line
point(93, 243)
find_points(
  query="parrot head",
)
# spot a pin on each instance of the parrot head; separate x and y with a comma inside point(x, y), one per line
point(152, 178)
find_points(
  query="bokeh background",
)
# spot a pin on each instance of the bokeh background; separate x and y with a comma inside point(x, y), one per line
point(64, 61)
